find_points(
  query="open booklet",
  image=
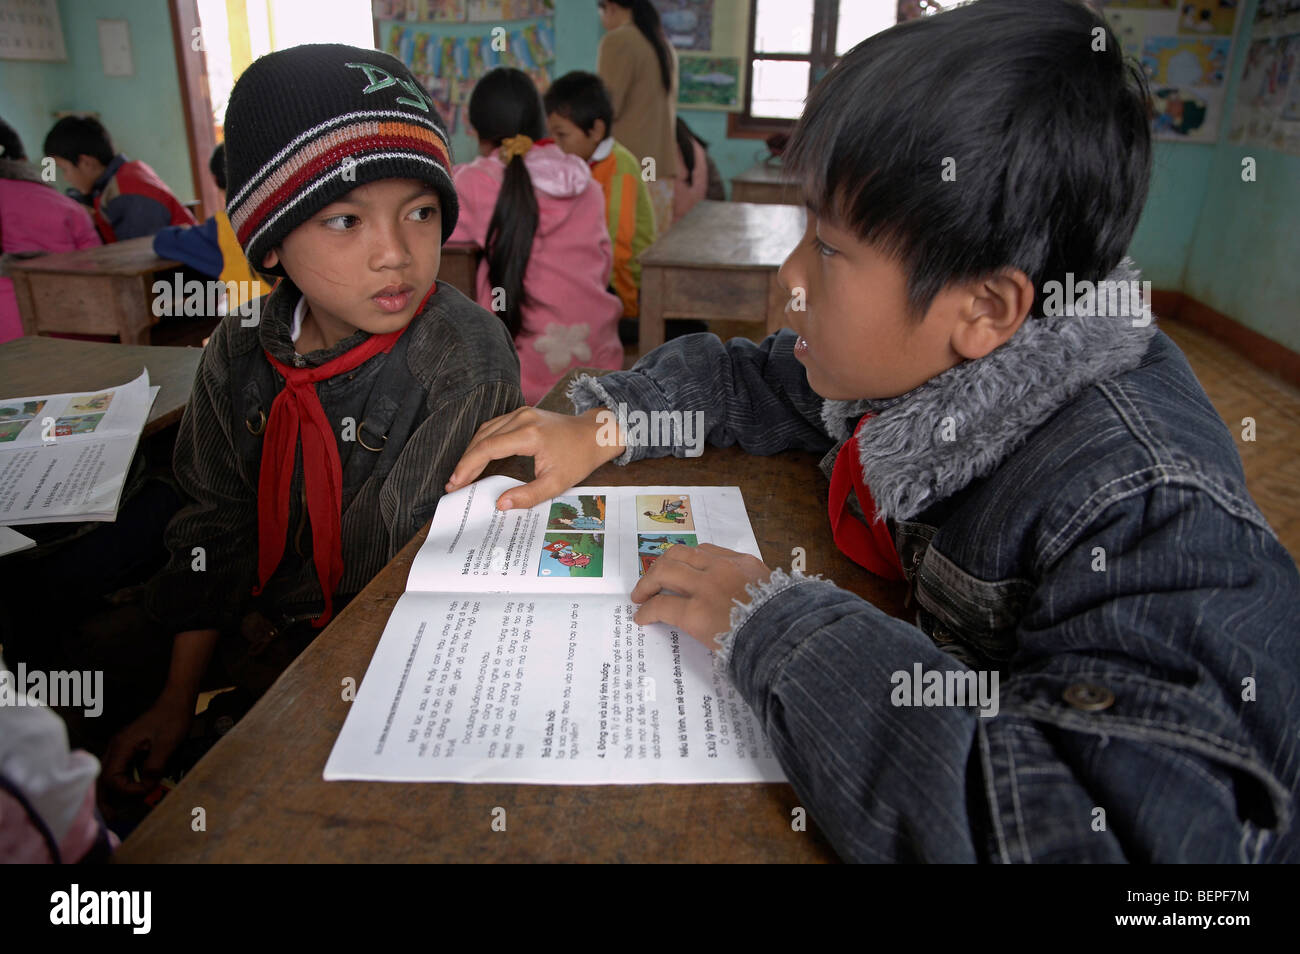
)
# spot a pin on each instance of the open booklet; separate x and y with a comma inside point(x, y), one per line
point(512, 656)
point(65, 457)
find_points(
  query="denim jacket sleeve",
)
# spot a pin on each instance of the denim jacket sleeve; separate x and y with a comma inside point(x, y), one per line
point(1160, 759)
point(754, 395)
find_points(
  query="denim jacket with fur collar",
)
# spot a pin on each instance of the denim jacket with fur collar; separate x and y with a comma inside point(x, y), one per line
point(1072, 514)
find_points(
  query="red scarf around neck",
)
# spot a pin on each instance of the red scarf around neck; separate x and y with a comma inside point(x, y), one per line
point(297, 412)
point(870, 544)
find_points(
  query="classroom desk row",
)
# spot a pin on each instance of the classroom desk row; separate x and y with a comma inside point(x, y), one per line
point(766, 183)
point(34, 365)
point(264, 797)
point(720, 261)
point(108, 289)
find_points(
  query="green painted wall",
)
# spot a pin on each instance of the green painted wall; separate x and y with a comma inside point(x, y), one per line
point(1164, 234)
point(29, 94)
point(1246, 246)
point(142, 112)
point(1245, 258)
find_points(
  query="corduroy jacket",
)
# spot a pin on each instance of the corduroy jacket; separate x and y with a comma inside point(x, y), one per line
point(401, 420)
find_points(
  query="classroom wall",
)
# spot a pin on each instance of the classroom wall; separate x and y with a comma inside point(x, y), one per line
point(1163, 240)
point(29, 94)
point(142, 112)
point(1164, 236)
point(1199, 214)
point(1251, 226)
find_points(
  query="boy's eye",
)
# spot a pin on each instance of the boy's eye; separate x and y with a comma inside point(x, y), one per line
point(340, 223)
point(822, 247)
point(424, 213)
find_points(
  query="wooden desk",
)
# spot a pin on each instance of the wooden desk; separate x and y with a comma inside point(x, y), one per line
point(106, 290)
point(719, 261)
point(265, 800)
point(766, 184)
point(460, 266)
point(32, 365)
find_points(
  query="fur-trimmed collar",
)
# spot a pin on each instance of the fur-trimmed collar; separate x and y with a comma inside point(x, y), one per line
point(927, 444)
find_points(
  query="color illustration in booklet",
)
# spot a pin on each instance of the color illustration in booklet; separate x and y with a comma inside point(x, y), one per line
point(513, 657)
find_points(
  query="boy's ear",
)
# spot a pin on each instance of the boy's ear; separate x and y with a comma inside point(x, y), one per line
point(599, 130)
point(270, 259)
point(992, 309)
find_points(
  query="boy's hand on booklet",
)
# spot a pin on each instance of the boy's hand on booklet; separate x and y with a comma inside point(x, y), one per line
point(564, 449)
point(692, 589)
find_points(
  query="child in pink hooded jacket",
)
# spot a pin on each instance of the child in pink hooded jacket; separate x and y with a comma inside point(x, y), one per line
point(540, 218)
point(34, 217)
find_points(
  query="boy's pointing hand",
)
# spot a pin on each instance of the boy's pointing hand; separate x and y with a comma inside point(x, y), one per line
point(564, 448)
point(692, 589)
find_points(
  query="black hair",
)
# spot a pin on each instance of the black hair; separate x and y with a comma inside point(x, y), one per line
point(581, 98)
point(646, 19)
point(505, 103)
point(217, 165)
point(75, 136)
point(685, 139)
point(1047, 141)
point(11, 144)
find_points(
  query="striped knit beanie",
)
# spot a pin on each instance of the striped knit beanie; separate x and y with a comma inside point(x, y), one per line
point(307, 125)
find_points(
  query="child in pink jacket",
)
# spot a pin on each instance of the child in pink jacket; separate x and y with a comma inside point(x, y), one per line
point(34, 217)
point(540, 218)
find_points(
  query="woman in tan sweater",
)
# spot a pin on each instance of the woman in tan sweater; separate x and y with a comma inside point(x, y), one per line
point(639, 67)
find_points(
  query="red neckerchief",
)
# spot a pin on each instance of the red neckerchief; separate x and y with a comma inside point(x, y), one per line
point(870, 544)
point(297, 412)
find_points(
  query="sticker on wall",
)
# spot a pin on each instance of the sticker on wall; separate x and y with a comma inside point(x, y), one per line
point(1180, 112)
point(704, 81)
point(30, 30)
point(1182, 61)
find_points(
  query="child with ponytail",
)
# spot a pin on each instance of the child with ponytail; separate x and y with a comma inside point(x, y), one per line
point(540, 219)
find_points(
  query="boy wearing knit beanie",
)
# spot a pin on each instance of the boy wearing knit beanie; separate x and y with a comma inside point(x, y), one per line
point(319, 437)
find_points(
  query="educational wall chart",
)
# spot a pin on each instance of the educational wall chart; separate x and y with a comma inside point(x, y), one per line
point(1266, 112)
point(513, 655)
point(688, 23)
point(710, 37)
point(30, 30)
point(449, 44)
point(458, 11)
point(1184, 47)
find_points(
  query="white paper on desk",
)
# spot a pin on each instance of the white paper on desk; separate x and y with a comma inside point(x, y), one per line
point(550, 681)
point(64, 457)
point(11, 541)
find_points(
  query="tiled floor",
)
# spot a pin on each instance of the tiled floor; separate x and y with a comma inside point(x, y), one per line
point(1238, 389)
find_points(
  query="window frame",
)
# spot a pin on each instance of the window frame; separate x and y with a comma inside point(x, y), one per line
point(825, 26)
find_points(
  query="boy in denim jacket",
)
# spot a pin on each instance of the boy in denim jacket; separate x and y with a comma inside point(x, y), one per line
point(1053, 483)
